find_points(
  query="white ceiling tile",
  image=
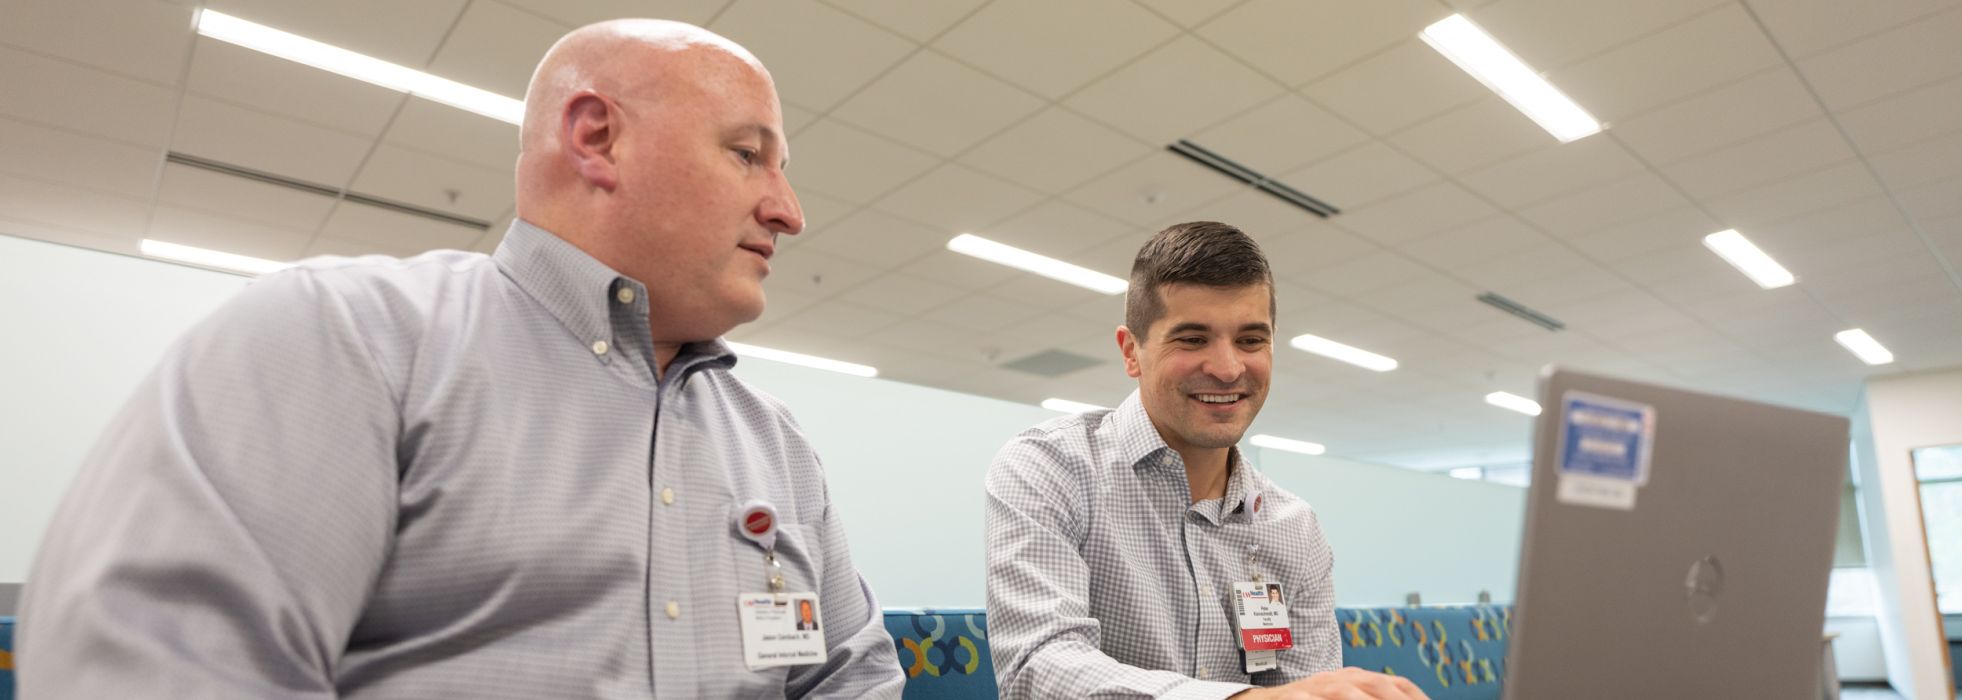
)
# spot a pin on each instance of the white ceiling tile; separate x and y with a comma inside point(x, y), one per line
point(796, 118)
point(33, 230)
point(1052, 53)
point(820, 212)
point(781, 337)
point(1298, 42)
point(575, 13)
point(221, 132)
point(1541, 175)
point(1261, 215)
point(495, 47)
point(1473, 243)
point(1939, 158)
point(70, 207)
point(1189, 13)
point(455, 134)
point(805, 273)
point(1296, 254)
point(229, 234)
point(1479, 134)
point(949, 267)
point(1054, 151)
point(799, 42)
point(919, 21)
point(1769, 158)
point(1893, 61)
point(1849, 279)
point(1360, 176)
point(956, 200)
point(1060, 229)
point(845, 162)
point(983, 313)
point(1806, 27)
point(1417, 296)
point(1874, 214)
point(278, 86)
point(1114, 256)
point(1671, 229)
point(842, 319)
point(1152, 188)
point(951, 344)
point(1362, 275)
point(403, 33)
point(1847, 250)
point(901, 294)
point(144, 40)
point(1904, 119)
point(68, 96)
point(1683, 60)
point(1415, 214)
point(1521, 267)
point(1174, 92)
point(1032, 289)
point(1810, 192)
point(440, 184)
point(1548, 34)
point(876, 238)
point(34, 151)
point(935, 104)
point(1584, 281)
point(1282, 135)
point(1633, 198)
point(1764, 102)
point(1934, 201)
point(390, 232)
point(1394, 89)
point(241, 198)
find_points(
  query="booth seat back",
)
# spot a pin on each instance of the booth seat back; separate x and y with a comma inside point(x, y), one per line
point(6, 658)
point(1453, 653)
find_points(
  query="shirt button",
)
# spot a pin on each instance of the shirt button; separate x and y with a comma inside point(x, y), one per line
point(599, 347)
point(1202, 673)
point(625, 295)
point(667, 497)
point(1206, 590)
point(674, 610)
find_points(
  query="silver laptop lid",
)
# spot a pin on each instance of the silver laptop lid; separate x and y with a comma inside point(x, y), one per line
point(1677, 545)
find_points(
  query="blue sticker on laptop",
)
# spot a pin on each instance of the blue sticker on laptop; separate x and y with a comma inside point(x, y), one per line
point(1605, 438)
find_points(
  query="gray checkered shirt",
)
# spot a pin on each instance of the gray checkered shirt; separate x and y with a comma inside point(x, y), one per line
point(1105, 580)
point(429, 478)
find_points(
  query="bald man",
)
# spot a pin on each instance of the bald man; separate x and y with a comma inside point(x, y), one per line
point(527, 475)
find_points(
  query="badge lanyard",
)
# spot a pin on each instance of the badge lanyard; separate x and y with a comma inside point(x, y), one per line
point(758, 523)
point(1261, 625)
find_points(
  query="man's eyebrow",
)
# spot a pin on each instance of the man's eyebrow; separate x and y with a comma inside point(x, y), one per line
point(1257, 327)
point(1188, 326)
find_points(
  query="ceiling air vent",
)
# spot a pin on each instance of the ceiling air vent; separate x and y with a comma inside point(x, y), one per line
point(1052, 363)
point(1225, 166)
point(1520, 310)
point(240, 171)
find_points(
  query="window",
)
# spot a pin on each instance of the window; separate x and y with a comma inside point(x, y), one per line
point(1939, 469)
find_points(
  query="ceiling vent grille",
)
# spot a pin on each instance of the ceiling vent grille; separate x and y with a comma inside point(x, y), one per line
point(1225, 166)
point(1521, 310)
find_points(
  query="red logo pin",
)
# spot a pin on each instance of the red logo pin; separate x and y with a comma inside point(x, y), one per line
point(758, 523)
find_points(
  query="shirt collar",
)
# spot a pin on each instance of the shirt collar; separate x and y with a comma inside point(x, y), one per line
point(580, 291)
point(1141, 446)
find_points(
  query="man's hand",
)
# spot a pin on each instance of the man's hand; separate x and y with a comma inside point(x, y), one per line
point(1346, 684)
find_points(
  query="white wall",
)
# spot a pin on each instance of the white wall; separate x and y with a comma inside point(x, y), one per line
point(1907, 412)
point(905, 463)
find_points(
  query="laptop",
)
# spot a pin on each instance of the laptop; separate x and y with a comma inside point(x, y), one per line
point(1677, 545)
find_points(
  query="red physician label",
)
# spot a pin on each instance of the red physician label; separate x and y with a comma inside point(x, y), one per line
point(1267, 639)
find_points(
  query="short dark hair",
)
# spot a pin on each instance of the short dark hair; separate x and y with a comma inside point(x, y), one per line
point(1196, 252)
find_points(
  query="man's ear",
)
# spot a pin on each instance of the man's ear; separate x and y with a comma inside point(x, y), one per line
point(1128, 343)
point(588, 132)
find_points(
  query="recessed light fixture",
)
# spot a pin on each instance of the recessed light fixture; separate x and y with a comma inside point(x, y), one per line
point(1068, 406)
point(1346, 353)
point(204, 257)
point(1477, 53)
point(1281, 443)
point(798, 358)
point(1513, 402)
point(1864, 346)
point(1737, 250)
point(1004, 254)
point(334, 59)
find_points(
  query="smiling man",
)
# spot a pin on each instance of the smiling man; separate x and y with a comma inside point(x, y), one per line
point(1131, 552)
point(524, 475)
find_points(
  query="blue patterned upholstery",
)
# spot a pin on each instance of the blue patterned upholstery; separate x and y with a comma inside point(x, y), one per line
point(6, 658)
point(1453, 653)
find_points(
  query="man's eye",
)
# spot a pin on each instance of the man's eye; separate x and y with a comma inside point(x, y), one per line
point(747, 155)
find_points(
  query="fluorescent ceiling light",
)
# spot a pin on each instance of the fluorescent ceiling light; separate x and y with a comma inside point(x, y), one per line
point(1737, 250)
point(1068, 406)
point(797, 358)
point(1352, 355)
point(1513, 402)
point(1864, 346)
point(327, 57)
point(1491, 63)
point(1471, 473)
point(970, 244)
point(211, 258)
point(1281, 443)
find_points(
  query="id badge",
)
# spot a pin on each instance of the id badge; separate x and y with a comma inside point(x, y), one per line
point(1261, 614)
point(780, 629)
